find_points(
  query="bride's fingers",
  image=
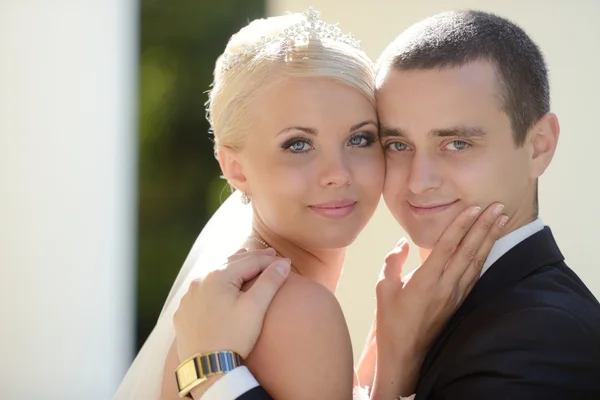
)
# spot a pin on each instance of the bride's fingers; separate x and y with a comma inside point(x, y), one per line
point(394, 261)
point(468, 252)
point(447, 244)
point(473, 272)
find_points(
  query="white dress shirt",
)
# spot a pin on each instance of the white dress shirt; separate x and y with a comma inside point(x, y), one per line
point(231, 385)
point(240, 380)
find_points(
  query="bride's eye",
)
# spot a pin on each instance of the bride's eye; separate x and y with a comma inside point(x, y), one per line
point(363, 139)
point(297, 145)
point(356, 141)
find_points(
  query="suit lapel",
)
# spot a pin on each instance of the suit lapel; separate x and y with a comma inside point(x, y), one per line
point(537, 251)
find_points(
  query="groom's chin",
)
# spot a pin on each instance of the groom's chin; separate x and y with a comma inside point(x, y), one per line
point(424, 238)
point(425, 244)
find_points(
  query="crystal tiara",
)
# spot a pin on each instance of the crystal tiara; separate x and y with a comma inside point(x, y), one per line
point(310, 27)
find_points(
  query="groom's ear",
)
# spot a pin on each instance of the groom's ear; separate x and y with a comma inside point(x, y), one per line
point(229, 160)
point(543, 139)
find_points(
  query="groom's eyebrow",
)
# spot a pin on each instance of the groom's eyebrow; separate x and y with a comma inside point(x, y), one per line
point(386, 131)
point(460, 132)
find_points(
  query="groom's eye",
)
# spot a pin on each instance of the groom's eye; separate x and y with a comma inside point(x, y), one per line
point(457, 145)
point(397, 146)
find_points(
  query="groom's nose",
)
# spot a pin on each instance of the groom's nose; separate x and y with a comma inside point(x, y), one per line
point(423, 174)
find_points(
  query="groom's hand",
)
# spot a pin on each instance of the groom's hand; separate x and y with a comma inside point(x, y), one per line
point(215, 314)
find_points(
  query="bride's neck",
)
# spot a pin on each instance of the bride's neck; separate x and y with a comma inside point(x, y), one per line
point(322, 266)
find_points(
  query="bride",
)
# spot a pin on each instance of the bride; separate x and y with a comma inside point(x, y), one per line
point(296, 133)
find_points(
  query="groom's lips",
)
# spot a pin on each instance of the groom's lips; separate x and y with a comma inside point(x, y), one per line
point(430, 209)
point(334, 209)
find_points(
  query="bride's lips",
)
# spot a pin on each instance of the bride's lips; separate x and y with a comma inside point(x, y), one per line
point(430, 209)
point(334, 209)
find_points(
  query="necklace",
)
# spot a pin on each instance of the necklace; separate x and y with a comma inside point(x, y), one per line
point(268, 246)
point(260, 241)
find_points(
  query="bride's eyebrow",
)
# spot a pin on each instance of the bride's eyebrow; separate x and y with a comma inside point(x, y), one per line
point(310, 131)
point(364, 123)
point(313, 131)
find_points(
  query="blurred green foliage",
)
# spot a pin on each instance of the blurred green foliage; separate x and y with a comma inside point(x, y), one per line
point(179, 186)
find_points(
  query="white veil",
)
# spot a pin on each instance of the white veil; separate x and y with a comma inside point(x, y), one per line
point(222, 236)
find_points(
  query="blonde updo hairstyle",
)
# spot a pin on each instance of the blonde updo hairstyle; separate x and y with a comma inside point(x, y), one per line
point(233, 89)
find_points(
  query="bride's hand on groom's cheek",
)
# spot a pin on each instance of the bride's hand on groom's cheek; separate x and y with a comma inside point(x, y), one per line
point(411, 314)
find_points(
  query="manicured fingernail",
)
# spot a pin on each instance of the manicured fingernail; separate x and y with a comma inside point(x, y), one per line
point(270, 250)
point(401, 242)
point(503, 220)
point(498, 209)
point(283, 266)
point(474, 211)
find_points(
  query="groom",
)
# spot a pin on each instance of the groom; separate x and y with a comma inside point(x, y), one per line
point(464, 107)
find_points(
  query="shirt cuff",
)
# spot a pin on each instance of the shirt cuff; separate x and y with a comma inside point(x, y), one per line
point(231, 385)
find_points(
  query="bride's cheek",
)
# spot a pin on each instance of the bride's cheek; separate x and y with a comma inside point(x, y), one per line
point(371, 171)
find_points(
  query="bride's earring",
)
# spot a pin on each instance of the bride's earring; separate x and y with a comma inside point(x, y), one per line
point(245, 199)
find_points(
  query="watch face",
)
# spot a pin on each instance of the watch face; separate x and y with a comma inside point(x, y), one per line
point(186, 374)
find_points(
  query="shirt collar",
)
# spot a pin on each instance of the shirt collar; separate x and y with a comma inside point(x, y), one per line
point(505, 243)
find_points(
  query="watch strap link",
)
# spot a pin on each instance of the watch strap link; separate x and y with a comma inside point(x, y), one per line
point(196, 369)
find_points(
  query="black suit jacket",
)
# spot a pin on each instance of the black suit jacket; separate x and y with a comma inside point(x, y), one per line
point(258, 393)
point(530, 329)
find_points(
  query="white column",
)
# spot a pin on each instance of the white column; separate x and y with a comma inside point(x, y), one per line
point(569, 190)
point(67, 191)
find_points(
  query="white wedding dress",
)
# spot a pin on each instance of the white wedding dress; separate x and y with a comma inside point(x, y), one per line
point(222, 236)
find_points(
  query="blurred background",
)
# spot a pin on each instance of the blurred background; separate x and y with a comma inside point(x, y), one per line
point(107, 173)
point(179, 180)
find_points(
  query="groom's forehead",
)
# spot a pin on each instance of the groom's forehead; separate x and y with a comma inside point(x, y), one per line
point(471, 85)
point(478, 69)
point(410, 105)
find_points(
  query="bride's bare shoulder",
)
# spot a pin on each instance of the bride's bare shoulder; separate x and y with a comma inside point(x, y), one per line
point(304, 350)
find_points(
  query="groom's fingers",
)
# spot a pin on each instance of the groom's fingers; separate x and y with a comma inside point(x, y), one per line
point(248, 268)
point(259, 296)
point(243, 253)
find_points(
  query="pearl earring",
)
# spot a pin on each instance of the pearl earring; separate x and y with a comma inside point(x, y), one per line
point(245, 199)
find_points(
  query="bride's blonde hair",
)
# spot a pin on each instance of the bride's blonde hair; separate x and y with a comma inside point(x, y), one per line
point(267, 60)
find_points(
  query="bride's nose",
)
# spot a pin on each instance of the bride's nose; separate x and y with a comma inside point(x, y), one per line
point(335, 170)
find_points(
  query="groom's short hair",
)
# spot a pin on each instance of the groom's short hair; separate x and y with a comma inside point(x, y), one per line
point(453, 39)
